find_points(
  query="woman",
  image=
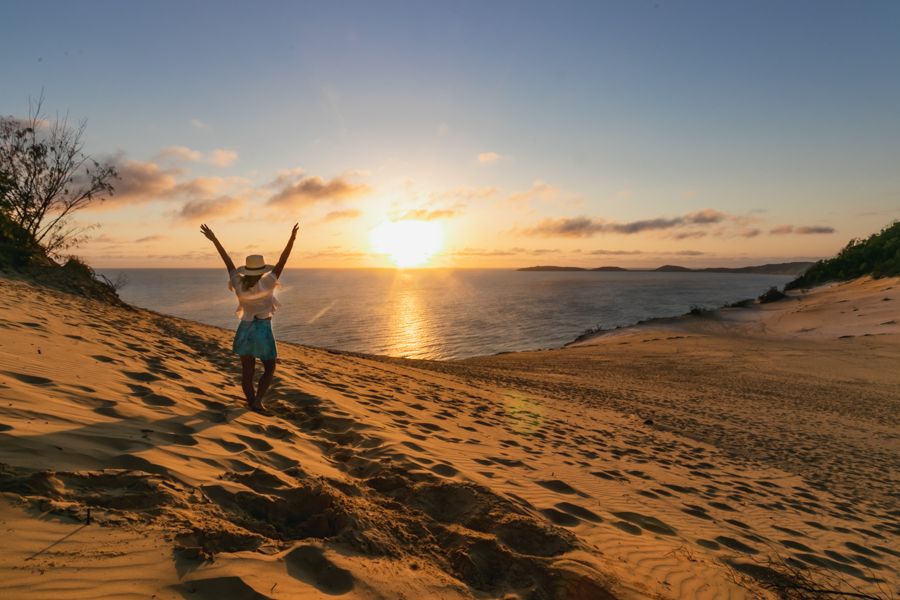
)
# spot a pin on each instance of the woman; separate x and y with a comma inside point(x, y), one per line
point(254, 284)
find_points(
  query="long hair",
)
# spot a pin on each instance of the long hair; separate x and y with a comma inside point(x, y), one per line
point(248, 281)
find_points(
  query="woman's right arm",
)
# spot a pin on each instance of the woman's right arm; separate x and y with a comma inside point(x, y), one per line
point(229, 264)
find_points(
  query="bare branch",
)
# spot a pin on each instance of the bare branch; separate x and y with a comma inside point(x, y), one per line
point(47, 176)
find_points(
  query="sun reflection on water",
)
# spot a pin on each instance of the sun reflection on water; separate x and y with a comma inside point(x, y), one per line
point(409, 335)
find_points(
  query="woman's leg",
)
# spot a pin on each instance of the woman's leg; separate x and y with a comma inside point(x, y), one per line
point(248, 367)
point(266, 379)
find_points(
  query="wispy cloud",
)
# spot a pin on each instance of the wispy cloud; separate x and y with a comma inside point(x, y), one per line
point(802, 230)
point(539, 190)
point(586, 227)
point(221, 157)
point(198, 124)
point(490, 158)
point(423, 214)
point(298, 190)
point(150, 238)
point(141, 182)
point(181, 153)
point(337, 215)
point(335, 252)
point(602, 252)
point(689, 235)
point(198, 210)
point(465, 193)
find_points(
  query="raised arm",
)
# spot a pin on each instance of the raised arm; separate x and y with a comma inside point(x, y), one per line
point(229, 264)
point(287, 252)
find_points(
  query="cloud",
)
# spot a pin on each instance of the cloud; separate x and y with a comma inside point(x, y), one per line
point(198, 187)
point(198, 210)
point(586, 227)
point(103, 239)
point(198, 124)
point(814, 230)
point(601, 252)
point(181, 153)
point(336, 215)
point(297, 190)
point(422, 214)
point(335, 252)
point(689, 235)
point(150, 238)
point(539, 190)
point(749, 233)
point(483, 252)
point(802, 230)
point(489, 158)
point(707, 215)
point(140, 182)
point(575, 227)
point(221, 157)
point(465, 193)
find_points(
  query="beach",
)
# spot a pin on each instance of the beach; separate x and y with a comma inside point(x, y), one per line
point(729, 454)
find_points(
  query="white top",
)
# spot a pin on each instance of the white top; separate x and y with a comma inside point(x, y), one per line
point(257, 302)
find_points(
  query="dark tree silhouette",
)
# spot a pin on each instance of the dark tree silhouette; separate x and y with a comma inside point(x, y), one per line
point(45, 177)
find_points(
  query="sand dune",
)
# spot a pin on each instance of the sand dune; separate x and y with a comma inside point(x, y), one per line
point(672, 460)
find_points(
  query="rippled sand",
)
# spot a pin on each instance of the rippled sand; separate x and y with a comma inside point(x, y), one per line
point(684, 458)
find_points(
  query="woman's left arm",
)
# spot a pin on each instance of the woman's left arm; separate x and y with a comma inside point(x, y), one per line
point(287, 252)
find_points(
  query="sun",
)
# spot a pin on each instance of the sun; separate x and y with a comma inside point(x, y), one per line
point(407, 243)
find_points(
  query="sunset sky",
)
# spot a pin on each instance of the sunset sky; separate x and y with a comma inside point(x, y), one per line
point(513, 133)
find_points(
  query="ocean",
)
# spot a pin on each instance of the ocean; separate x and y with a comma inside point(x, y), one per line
point(444, 313)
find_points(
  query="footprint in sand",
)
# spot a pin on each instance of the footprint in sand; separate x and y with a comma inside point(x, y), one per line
point(560, 487)
point(736, 545)
point(579, 511)
point(444, 470)
point(560, 518)
point(30, 379)
point(141, 376)
point(219, 587)
point(157, 400)
point(310, 565)
point(651, 524)
point(737, 523)
point(627, 527)
point(255, 443)
point(105, 359)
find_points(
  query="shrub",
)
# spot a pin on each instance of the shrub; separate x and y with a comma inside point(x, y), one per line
point(773, 294)
point(878, 256)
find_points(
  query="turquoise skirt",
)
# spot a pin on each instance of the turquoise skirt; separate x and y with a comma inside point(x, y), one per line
point(255, 338)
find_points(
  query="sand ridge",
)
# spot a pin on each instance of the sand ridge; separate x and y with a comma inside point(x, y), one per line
point(530, 475)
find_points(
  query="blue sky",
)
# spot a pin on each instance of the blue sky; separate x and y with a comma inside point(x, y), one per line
point(768, 114)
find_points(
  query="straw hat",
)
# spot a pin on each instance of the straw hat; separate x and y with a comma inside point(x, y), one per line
point(254, 265)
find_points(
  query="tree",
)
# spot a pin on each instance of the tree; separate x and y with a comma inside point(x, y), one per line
point(45, 177)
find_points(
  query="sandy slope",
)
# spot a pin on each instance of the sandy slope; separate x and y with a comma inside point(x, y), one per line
point(668, 460)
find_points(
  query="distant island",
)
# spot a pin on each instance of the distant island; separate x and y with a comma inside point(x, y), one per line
point(788, 268)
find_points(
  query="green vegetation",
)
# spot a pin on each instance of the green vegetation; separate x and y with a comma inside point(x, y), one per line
point(878, 256)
